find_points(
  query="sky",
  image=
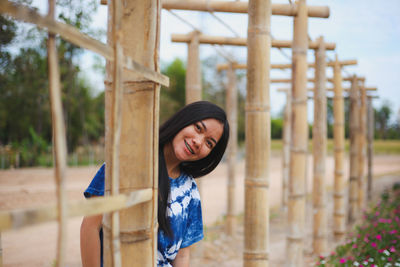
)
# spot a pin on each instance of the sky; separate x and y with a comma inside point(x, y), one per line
point(365, 30)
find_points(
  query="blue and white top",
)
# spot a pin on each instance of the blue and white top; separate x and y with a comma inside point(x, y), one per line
point(183, 211)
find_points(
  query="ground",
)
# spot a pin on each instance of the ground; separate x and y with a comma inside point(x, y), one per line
point(36, 245)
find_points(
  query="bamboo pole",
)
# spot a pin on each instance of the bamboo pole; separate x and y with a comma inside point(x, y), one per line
point(339, 213)
point(138, 155)
point(349, 62)
point(71, 34)
point(16, 219)
point(331, 80)
point(242, 7)
point(239, 41)
point(286, 151)
point(319, 137)
point(354, 126)
point(231, 108)
point(298, 150)
point(258, 135)
point(331, 89)
point(193, 73)
point(370, 147)
point(362, 134)
point(59, 141)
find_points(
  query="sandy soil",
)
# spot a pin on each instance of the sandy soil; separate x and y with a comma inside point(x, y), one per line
point(36, 245)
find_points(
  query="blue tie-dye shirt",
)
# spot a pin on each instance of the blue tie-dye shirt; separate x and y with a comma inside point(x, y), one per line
point(183, 211)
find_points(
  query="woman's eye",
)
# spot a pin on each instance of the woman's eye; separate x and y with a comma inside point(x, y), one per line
point(197, 127)
point(209, 144)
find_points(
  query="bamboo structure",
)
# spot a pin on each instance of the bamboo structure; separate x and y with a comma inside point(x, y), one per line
point(193, 70)
point(258, 135)
point(339, 210)
point(298, 150)
point(319, 137)
point(139, 109)
point(354, 126)
point(331, 80)
point(370, 147)
point(243, 7)
point(59, 141)
point(286, 150)
point(238, 41)
point(289, 66)
point(362, 135)
point(231, 110)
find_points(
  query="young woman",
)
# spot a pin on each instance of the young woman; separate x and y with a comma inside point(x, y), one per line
point(191, 144)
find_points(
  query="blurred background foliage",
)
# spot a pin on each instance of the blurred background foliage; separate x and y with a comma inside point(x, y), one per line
point(25, 119)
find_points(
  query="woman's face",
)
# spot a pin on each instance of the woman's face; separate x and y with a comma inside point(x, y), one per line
point(196, 141)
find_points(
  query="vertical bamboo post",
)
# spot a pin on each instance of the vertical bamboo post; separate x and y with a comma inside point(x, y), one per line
point(286, 150)
point(319, 152)
point(362, 134)
point(339, 210)
point(59, 141)
point(258, 135)
point(193, 73)
point(299, 140)
point(354, 125)
point(231, 108)
point(370, 139)
point(138, 156)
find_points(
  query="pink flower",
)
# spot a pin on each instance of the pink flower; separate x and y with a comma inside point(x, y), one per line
point(379, 237)
point(342, 260)
point(366, 240)
point(354, 245)
point(389, 220)
point(389, 259)
point(381, 220)
point(392, 249)
point(393, 232)
point(333, 253)
point(380, 250)
point(377, 213)
point(373, 244)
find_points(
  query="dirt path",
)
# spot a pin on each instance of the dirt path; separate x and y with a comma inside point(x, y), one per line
point(36, 245)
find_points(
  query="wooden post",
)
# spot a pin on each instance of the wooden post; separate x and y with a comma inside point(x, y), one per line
point(286, 150)
point(298, 150)
point(193, 70)
point(354, 125)
point(339, 210)
point(258, 135)
point(138, 156)
point(231, 110)
point(319, 153)
point(59, 141)
point(362, 135)
point(370, 147)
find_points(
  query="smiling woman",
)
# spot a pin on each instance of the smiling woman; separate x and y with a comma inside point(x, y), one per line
point(191, 144)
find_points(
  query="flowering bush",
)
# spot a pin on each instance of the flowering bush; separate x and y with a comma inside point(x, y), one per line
point(376, 241)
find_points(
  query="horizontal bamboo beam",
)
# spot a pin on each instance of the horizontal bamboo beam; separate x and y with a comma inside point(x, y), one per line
point(239, 41)
point(329, 89)
point(312, 80)
point(20, 218)
point(288, 66)
point(71, 34)
point(242, 7)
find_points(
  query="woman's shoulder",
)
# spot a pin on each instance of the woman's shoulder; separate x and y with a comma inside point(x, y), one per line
point(184, 185)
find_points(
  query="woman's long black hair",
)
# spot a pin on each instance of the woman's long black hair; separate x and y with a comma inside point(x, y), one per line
point(188, 115)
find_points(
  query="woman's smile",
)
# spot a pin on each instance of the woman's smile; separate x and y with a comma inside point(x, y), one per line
point(188, 147)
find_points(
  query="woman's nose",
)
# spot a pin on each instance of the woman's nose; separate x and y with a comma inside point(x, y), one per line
point(197, 141)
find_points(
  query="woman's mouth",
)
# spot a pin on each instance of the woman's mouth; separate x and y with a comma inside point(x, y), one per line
point(188, 147)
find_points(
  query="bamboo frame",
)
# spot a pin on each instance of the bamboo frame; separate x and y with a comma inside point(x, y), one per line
point(193, 73)
point(289, 66)
point(319, 137)
point(69, 33)
point(362, 135)
point(242, 7)
point(370, 147)
point(339, 210)
point(258, 135)
point(59, 142)
point(331, 80)
point(331, 89)
point(16, 219)
point(354, 126)
point(231, 110)
point(238, 41)
point(286, 133)
point(138, 224)
point(298, 150)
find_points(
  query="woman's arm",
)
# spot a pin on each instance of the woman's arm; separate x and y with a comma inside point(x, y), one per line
point(90, 241)
point(182, 258)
